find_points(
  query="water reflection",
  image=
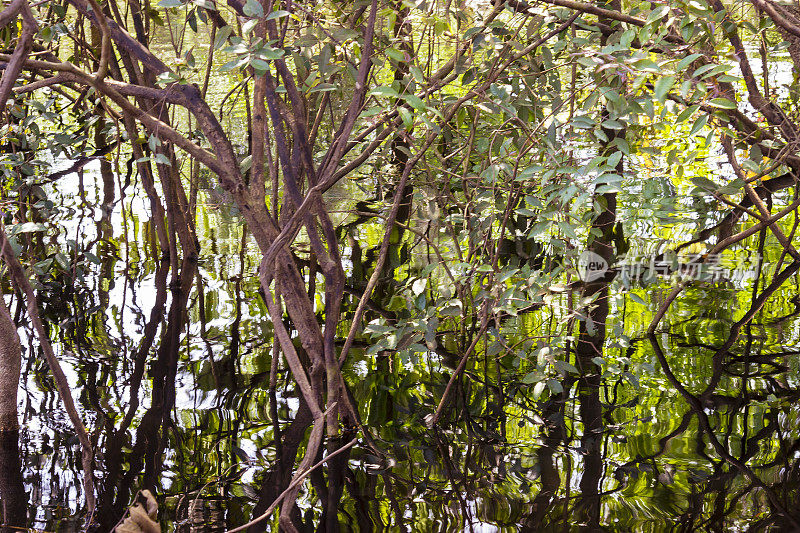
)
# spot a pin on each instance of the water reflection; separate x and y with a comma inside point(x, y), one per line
point(12, 489)
point(693, 424)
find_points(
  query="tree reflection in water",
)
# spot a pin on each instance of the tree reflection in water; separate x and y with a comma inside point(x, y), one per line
point(699, 443)
point(418, 354)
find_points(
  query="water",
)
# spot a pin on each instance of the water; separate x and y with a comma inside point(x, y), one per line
point(509, 462)
point(694, 427)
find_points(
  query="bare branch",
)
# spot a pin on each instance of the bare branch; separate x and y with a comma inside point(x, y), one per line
point(778, 16)
point(11, 11)
point(16, 61)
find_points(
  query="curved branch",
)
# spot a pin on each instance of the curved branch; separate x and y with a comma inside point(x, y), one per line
point(16, 61)
point(705, 424)
point(778, 16)
point(105, 43)
point(168, 95)
point(591, 9)
point(11, 11)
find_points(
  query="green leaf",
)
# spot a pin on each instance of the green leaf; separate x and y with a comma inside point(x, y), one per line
point(614, 159)
point(583, 122)
point(415, 101)
point(658, 13)
point(63, 261)
point(686, 88)
point(453, 308)
point(230, 65)
point(554, 386)
point(374, 328)
point(253, 8)
point(170, 3)
point(686, 61)
point(532, 377)
point(91, 257)
point(418, 286)
point(260, 66)
point(662, 87)
point(702, 70)
point(397, 55)
point(734, 186)
point(686, 113)
point(722, 103)
point(622, 145)
point(718, 69)
point(166, 78)
point(704, 183)
point(246, 163)
point(632, 379)
point(469, 76)
point(612, 124)
point(419, 77)
point(636, 298)
point(506, 274)
point(43, 267)
point(248, 26)
point(27, 227)
point(408, 118)
point(494, 348)
point(568, 230)
point(383, 90)
point(322, 87)
point(565, 367)
point(268, 53)
point(222, 36)
point(699, 124)
point(277, 14)
point(647, 65)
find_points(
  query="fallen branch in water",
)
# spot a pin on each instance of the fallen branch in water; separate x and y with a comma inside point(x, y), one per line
point(299, 477)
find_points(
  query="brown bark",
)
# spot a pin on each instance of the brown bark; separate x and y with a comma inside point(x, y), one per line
point(16, 61)
point(10, 357)
point(592, 337)
point(12, 490)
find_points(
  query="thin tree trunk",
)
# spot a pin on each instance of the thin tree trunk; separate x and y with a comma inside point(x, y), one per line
point(12, 490)
point(10, 357)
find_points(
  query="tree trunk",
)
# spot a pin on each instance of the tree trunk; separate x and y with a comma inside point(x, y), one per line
point(12, 489)
point(12, 492)
point(10, 356)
